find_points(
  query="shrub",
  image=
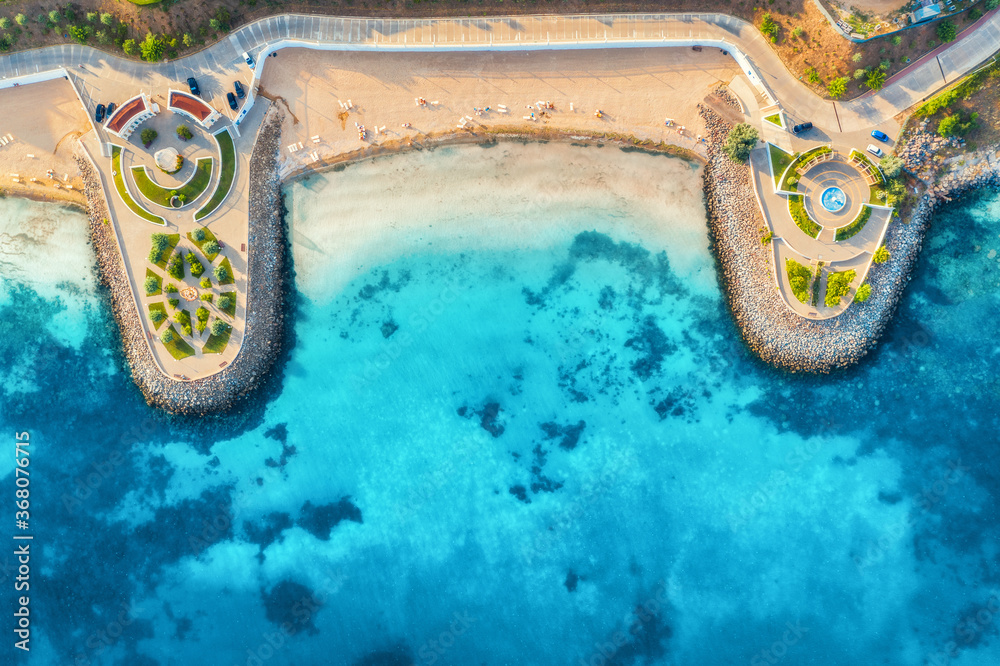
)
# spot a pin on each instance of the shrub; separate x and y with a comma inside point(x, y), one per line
point(946, 31)
point(159, 242)
point(863, 292)
point(876, 79)
point(20, 19)
point(188, 40)
point(214, 24)
point(857, 57)
point(885, 65)
point(4, 23)
point(184, 132)
point(838, 87)
point(196, 266)
point(205, 283)
point(859, 74)
point(102, 37)
point(799, 277)
point(221, 274)
point(107, 19)
point(219, 327)
point(953, 125)
point(152, 47)
point(891, 166)
point(992, 4)
point(225, 302)
point(837, 286)
point(812, 75)
point(207, 297)
point(167, 337)
point(175, 267)
point(881, 255)
point(198, 234)
point(78, 34)
point(171, 288)
point(42, 18)
point(129, 47)
point(223, 17)
point(92, 17)
point(897, 40)
point(152, 285)
point(148, 136)
point(158, 316)
point(174, 302)
point(69, 14)
point(797, 32)
point(740, 142)
point(769, 28)
point(211, 247)
point(975, 14)
point(55, 16)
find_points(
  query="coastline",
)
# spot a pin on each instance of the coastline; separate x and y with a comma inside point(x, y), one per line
point(774, 333)
point(265, 322)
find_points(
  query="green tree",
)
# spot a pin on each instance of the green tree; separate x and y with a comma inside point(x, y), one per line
point(891, 165)
point(992, 4)
point(157, 316)
point(42, 18)
point(881, 255)
point(225, 302)
point(198, 234)
point(220, 273)
point(167, 336)
point(78, 34)
point(885, 64)
point(859, 74)
point(4, 23)
point(876, 79)
point(812, 75)
point(769, 28)
point(219, 327)
point(897, 40)
point(799, 279)
point(152, 47)
point(211, 247)
point(55, 16)
point(107, 19)
point(129, 47)
point(205, 283)
point(20, 19)
point(946, 31)
point(148, 136)
point(152, 285)
point(837, 286)
point(740, 141)
point(175, 267)
point(863, 292)
point(69, 14)
point(857, 57)
point(92, 17)
point(214, 24)
point(102, 36)
point(223, 17)
point(837, 88)
point(184, 132)
point(187, 40)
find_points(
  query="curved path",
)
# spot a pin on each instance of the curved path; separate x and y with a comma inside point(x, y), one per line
point(100, 76)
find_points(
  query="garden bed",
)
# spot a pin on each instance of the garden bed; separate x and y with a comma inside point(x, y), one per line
point(216, 344)
point(177, 347)
point(209, 236)
point(119, 178)
point(780, 161)
point(856, 226)
point(797, 209)
point(157, 307)
point(227, 172)
point(190, 190)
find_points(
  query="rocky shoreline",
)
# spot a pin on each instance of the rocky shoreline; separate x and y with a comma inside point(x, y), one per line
point(266, 276)
point(778, 336)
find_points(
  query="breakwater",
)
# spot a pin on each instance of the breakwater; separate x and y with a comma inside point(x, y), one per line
point(266, 276)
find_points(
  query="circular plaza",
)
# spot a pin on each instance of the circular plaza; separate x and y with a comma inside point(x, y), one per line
point(833, 192)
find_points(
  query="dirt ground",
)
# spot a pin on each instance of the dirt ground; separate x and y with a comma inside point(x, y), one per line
point(875, 7)
point(636, 90)
point(43, 139)
point(818, 46)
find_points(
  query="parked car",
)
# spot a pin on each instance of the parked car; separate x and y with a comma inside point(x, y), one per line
point(249, 60)
point(239, 89)
point(111, 109)
point(232, 101)
point(193, 85)
point(875, 150)
point(881, 136)
point(99, 113)
point(802, 127)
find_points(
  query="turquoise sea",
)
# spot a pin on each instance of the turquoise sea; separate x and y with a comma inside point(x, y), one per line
point(515, 425)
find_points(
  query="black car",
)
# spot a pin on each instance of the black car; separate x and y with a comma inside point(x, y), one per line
point(239, 89)
point(232, 101)
point(111, 109)
point(99, 114)
point(195, 90)
point(802, 128)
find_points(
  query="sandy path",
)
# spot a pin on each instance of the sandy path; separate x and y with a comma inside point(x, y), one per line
point(45, 125)
point(637, 89)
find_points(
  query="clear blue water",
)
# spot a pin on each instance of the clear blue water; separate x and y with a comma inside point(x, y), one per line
point(547, 451)
point(833, 199)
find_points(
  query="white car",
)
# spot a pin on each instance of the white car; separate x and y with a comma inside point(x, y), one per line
point(250, 63)
point(874, 150)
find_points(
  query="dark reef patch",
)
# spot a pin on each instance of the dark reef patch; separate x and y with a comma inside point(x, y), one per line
point(652, 345)
point(489, 417)
point(572, 579)
point(267, 530)
point(320, 520)
point(568, 435)
point(293, 605)
point(397, 655)
point(520, 492)
point(384, 283)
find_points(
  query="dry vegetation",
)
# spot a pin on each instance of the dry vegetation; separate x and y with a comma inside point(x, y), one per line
point(812, 50)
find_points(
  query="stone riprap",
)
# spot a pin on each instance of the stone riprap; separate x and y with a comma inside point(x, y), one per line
point(266, 277)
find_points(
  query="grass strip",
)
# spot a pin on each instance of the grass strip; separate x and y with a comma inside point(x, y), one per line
point(857, 225)
point(216, 344)
point(191, 190)
point(227, 172)
point(157, 307)
point(797, 209)
point(209, 236)
point(177, 347)
point(119, 178)
point(779, 162)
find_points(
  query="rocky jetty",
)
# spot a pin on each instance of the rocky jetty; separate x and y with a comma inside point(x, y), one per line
point(266, 276)
point(776, 334)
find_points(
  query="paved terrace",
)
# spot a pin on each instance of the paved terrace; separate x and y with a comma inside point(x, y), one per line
point(102, 77)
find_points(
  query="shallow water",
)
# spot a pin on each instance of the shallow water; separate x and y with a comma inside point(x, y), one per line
point(515, 428)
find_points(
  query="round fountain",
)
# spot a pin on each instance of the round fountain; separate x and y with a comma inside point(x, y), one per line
point(833, 199)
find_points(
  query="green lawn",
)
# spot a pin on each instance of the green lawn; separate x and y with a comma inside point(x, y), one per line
point(178, 348)
point(191, 190)
point(159, 282)
point(119, 177)
point(797, 209)
point(857, 225)
point(231, 310)
point(229, 271)
point(158, 307)
point(779, 161)
point(209, 236)
point(167, 251)
point(227, 172)
point(774, 119)
point(216, 344)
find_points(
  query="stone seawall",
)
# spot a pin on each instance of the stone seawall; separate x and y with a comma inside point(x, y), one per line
point(266, 276)
point(776, 334)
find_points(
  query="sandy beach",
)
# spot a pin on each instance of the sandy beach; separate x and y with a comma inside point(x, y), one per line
point(47, 121)
point(329, 94)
